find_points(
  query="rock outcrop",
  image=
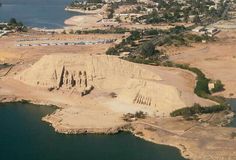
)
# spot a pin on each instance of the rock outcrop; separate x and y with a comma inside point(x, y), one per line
point(82, 73)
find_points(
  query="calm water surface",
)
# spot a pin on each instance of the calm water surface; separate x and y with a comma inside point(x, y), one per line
point(36, 13)
point(23, 136)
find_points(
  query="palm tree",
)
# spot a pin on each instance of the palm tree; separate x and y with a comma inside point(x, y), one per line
point(197, 19)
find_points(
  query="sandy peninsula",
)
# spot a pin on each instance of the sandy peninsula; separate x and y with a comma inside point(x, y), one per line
point(84, 22)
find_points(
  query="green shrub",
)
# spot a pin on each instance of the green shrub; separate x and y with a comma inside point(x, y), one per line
point(218, 87)
point(201, 88)
point(101, 31)
point(178, 29)
point(233, 135)
point(198, 109)
point(112, 51)
point(140, 114)
point(147, 49)
point(168, 64)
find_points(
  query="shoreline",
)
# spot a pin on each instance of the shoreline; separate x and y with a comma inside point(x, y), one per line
point(128, 127)
point(181, 149)
point(108, 131)
point(123, 129)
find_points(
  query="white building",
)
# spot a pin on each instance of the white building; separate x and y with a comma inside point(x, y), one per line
point(212, 31)
point(198, 29)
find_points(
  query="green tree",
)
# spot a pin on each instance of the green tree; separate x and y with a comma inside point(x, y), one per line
point(112, 51)
point(186, 16)
point(196, 19)
point(147, 49)
point(12, 21)
point(218, 86)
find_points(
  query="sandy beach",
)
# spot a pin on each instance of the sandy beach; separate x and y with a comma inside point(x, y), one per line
point(84, 22)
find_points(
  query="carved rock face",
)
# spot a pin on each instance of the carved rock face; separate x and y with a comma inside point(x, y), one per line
point(133, 83)
point(81, 71)
point(72, 79)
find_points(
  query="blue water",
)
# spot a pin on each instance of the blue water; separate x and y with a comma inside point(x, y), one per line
point(232, 102)
point(23, 136)
point(36, 13)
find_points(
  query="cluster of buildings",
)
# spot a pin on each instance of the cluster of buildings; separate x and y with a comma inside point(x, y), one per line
point(108, 22)
point(104, 41)
point(210, 31)
point(84, 5)
point(4, 30)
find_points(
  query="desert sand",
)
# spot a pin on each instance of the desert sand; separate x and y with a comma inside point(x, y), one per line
point(148, 89)
point(196, 141)
point(216, 59)
point(10, 53)
point(84, 22)
point(133, 83)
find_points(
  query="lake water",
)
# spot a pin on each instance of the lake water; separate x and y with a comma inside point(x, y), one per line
point(36, 13)
point(232, 102)
point(23, 136)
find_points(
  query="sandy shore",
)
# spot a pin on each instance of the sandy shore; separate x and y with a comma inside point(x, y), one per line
point(195, 140)
point(83, 22)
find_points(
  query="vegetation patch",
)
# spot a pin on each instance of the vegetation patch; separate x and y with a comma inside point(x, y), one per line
point(198, 109)
point(146, 52)
point(218, 86)
point(113, 95)
point(129, 117)
point(201, 88)
point(102, 31)
point(233, 135)
point(13, 24)
point(146, 43)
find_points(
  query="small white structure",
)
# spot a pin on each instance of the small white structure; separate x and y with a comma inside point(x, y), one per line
point(4, 32)
point(112, 1)
point(149, 10)
point(3, 24)
point(109, 23)
point(211, 85)
point(124, 54)
point(198, 29)
point(212, 31)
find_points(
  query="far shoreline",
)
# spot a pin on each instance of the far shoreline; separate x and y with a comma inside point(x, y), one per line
point(117, 131)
